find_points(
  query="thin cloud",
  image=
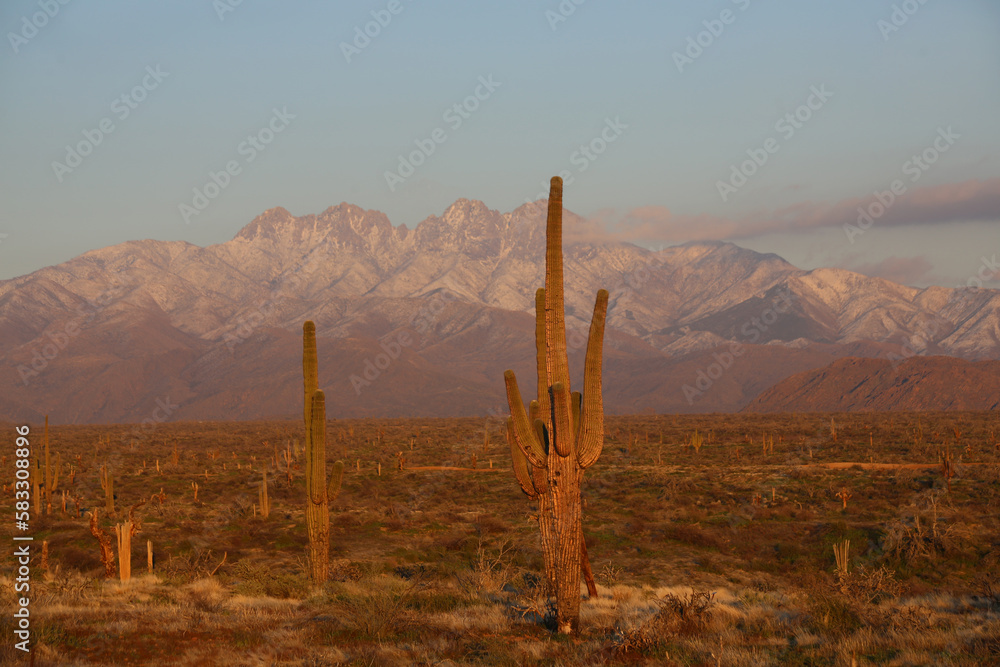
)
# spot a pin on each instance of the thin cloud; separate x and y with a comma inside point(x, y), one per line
point(966, 201)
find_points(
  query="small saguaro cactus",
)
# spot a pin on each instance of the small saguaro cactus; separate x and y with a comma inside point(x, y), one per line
point(947, 462)
point(562, 433)
point(51, 471)
point(36, 486)
point(319, 492)
point(265, 501)
point(108, 484)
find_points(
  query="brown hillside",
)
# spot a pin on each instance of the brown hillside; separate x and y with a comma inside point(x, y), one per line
point(917, 383)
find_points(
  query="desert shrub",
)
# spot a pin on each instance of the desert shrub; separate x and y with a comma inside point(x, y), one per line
point(258, 580)
point(490, 569)
point(867, 586)
point(676, 615)
point(918, 533)
point(380, 610)
point(684, 614)
point(345, 570)
point(835, 614)
point(528, 600)
point(609, 575)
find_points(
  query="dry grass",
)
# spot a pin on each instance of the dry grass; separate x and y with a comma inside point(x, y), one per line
point(715, 555)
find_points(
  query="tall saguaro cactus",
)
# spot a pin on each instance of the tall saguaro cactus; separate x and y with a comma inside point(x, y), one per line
point(562, 433)
point(319, 492)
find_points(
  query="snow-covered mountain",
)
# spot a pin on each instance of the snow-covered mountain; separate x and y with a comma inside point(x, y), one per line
point(126, 323)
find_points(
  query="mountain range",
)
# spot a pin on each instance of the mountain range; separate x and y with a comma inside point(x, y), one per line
point(423, 321)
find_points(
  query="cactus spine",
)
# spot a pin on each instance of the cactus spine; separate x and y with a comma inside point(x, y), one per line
point(562, 433)
point(319, 492)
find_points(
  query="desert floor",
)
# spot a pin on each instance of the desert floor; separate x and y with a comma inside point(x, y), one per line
point(711, 538)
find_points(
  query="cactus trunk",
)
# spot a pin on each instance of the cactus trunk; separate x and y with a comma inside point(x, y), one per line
point(310, 369)
point(265, 501)
point(319, 492)
point(317, 506)
point(562, 433)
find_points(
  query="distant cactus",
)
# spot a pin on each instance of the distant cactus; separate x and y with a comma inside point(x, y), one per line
point(319, 492)
point(51, 472)
point(562, 432)
point(108, 484)
point(36, 486)
point(265, 501)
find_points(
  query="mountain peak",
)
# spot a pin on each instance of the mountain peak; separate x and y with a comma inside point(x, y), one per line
point(344, 222)
point(464, 211)
point(266, 224)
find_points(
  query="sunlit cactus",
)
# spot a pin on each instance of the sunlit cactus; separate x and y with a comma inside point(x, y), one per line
point(319, 492)
point(562, 433)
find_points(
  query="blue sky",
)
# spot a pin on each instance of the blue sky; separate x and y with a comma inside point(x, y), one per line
point(891, 89)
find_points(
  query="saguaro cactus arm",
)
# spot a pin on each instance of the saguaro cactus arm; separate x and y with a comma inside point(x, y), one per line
point(522, 468)
point(523, 431)
point(591, 439)
point(540, 363)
